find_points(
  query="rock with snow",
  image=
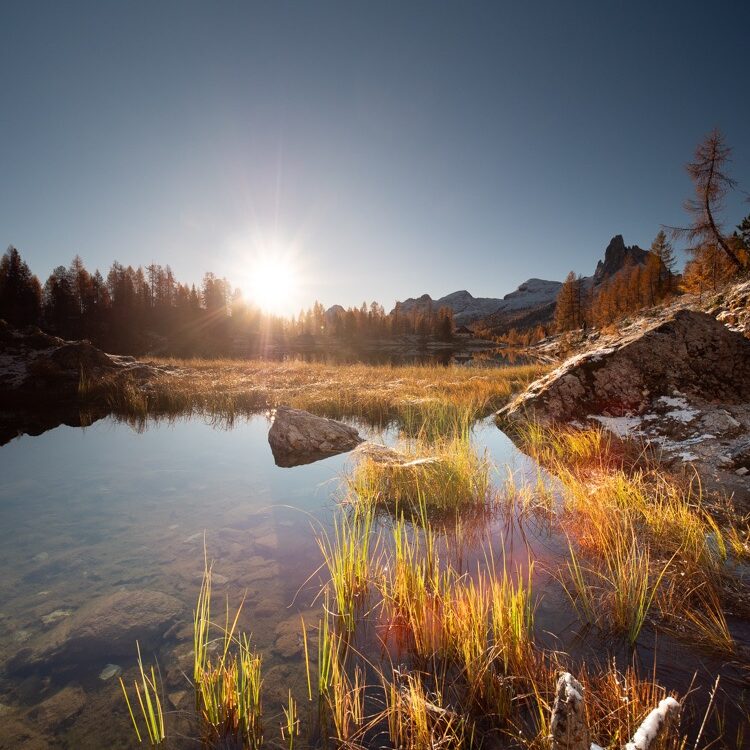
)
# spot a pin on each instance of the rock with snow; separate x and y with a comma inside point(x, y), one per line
point(298, 437)
point(663, 720)
point(36, 366)
point(682, 385)
point(568, 728)
point(690, 353)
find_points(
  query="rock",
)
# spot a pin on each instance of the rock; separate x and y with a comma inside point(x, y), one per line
point(289, 641)
point(110, 671)
point(659, 724)
point(177, 697)
point(568, 728)
point(691, 353)
point(105, 627)
point(298, 437)
point(40, 377)
point(19, 734)
point(53, 617)
point(682, 384)
point(60, 708)
point(618, 256)
point(385, 456)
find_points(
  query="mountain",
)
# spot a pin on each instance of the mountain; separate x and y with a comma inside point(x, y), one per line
point(467, 308)
point(616, 257)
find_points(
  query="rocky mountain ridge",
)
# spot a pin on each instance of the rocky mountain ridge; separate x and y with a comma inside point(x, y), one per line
point(532, 302)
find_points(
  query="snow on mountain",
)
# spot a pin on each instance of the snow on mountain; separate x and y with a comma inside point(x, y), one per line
point(467, 308)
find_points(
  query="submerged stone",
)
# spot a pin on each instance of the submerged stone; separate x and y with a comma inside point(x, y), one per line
point(110, 671)
point(104, 627)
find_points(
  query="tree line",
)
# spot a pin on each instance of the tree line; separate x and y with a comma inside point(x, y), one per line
point(716, 258)
point(134, 310)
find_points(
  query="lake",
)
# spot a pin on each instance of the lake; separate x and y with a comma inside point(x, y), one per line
point(85, 512)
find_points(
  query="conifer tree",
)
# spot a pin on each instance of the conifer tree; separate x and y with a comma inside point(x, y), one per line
point(712, 183)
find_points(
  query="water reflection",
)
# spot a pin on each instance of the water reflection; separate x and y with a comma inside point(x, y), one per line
point(88, 513)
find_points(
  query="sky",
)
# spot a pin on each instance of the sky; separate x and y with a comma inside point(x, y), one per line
point(387, 148)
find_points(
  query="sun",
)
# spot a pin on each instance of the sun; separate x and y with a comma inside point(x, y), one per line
point(272, 282)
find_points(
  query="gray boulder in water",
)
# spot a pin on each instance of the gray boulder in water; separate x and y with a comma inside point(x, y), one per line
point(298, 437)
point(106, 627)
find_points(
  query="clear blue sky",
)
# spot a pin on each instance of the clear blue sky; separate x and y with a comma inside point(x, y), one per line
point(401, 148)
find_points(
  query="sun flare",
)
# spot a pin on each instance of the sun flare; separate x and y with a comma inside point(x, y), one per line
point(272, 282)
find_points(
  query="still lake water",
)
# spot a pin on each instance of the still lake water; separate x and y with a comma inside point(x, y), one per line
point(87, 512)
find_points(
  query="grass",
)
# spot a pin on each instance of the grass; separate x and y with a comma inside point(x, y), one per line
point(347, 556)
point(416, 397)
point(147, 693)
point(448, 476)
point(228, 685)
point(642, 543)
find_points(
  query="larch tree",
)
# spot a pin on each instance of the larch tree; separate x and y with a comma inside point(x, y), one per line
point(569, 307)
point(712, 183)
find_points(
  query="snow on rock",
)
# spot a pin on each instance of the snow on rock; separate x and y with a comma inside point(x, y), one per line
point(681, 384)
point(660, 721)
point(568, 728)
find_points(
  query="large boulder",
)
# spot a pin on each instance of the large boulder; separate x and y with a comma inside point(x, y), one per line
point(682, 384)
point(103, 629)
point(298, 437)
point(691, 354)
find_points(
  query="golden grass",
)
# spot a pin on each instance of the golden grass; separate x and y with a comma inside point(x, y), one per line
point(446, 476)
point(648, 542)
point(412, 395)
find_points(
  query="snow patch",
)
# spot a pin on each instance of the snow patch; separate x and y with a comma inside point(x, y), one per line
point(653, 724)
point(620, 426)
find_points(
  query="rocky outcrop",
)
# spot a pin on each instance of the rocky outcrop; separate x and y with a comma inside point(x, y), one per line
point(105, 628)
point(616, 257)
point(35, 366)
point(297, 437)
point(61, 708)
point(682, 384)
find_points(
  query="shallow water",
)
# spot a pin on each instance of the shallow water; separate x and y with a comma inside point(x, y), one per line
point(86, 512)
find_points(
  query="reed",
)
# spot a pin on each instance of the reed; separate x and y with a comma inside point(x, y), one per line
point(347, 557)
point(149, 703)
point(617, 594)
point(228, 686)
point(418, 720)
point(290, 727)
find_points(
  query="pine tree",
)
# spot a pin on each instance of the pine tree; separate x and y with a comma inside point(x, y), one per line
point(569, 307)
point(663, 250)
point(20, 290)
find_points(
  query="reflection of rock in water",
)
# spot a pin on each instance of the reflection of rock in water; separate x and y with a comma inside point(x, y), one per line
point(297, 437)
point(27, 421)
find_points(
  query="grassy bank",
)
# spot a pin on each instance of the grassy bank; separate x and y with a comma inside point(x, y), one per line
point(377, 394)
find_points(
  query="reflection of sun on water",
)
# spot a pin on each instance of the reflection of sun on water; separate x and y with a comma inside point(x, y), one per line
point(272, 283)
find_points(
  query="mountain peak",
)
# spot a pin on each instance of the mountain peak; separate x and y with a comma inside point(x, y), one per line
point(616, 257)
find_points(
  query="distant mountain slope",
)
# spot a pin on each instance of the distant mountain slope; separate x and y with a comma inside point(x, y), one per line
point(467, 308)
point(617, 257)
